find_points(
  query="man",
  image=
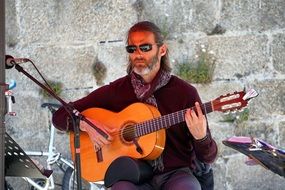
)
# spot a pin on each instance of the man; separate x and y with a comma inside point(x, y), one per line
point(149, 81)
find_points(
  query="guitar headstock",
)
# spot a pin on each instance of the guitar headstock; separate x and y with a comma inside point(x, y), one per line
point(234, 101)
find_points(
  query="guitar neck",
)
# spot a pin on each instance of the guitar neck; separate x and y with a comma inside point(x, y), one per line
point(166, 121)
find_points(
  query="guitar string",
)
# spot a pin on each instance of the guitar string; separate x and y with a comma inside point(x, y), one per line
point(153, 123)
point(167, 119)
point(140, 129)
point(143, 130)
point(164, 119)
point(156, 121)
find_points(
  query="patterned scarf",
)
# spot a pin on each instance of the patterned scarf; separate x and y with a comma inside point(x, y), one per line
point(144, 92)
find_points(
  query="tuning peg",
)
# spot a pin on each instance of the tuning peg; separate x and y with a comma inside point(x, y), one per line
point(241, 110)
point(227, 112)
point(250, 94)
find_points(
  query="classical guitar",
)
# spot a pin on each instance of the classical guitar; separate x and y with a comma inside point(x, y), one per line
point(140, 131)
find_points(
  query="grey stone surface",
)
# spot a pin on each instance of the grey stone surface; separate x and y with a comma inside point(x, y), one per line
point(241, 176)
point(282, 134)
point(178, 17)
point(28, 126)
point(221, 131)
point(11, 25)
point(220, 173)
point(261, 130)
point(72, 22)
point(65, 38)
point(256, 15)
point(270, 101)
point(238, 57)
point(278, 44)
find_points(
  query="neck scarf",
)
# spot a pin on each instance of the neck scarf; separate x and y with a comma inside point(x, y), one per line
point(144, 92)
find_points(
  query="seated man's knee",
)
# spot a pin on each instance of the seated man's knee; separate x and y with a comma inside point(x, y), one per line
point(182, 181)
point(124, 185)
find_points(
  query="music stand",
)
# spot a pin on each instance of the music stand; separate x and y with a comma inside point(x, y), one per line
point(261, 152)
point(19, 164)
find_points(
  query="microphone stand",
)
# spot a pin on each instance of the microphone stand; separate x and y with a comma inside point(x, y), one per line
point(76, 117)
point(3, 88)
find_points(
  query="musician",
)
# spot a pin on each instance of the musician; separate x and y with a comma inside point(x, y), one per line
point(149, 80)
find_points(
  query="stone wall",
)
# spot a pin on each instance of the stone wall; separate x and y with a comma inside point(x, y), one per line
point(66, 38)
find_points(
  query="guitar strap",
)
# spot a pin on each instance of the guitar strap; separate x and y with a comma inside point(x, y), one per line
point(145, 93)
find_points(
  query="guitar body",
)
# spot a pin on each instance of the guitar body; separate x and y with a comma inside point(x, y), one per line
point(151, 144)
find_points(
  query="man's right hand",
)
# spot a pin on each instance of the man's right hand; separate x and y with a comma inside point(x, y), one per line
point(97, 139)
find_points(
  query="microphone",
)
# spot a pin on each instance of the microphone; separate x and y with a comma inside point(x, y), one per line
point(11, 61)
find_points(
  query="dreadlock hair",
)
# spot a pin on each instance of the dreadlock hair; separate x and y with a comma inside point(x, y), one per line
point(158, 37)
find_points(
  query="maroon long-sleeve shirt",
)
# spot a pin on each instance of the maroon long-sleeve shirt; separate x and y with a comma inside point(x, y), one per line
point(180, 148)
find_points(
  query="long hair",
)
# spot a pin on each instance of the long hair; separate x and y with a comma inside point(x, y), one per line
point(158, 37)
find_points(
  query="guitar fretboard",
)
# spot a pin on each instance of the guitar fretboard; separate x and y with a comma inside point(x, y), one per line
point(166, 121)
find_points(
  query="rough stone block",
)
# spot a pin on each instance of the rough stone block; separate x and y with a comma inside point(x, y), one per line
point(239, 57)
point(263, 130)
point(69, 65)
point(256, 15)
point(278, 53)
point(221, 131)
point(271, 99)
point(60, 21)
point(220, 173)
point(115, 58)
point(178, 17)
point(11, 25)
point(28, 126)
point(282, 135)
point(180, 52)
point(244, 177)
point(216, 89)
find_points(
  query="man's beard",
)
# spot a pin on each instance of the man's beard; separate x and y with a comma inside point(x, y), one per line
point(149, 67)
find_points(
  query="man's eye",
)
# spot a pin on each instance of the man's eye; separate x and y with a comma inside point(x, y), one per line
point(131, 49)
point(145, 47)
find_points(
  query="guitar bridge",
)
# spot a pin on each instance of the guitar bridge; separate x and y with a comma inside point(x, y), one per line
point(138, 147)
point(99, 155)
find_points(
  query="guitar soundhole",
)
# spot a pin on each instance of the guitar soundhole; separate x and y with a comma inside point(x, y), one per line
point(128, 133)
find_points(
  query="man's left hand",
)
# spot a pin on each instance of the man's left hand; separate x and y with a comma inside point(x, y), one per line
point(196, 123)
